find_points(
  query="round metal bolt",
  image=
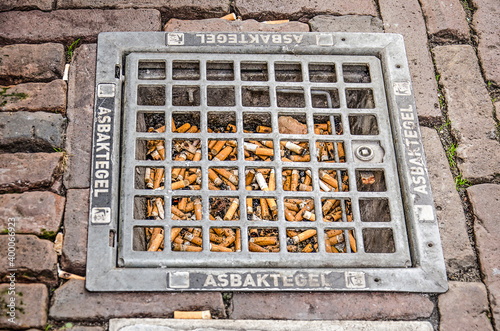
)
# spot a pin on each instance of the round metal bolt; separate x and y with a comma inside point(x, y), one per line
point(364, 153)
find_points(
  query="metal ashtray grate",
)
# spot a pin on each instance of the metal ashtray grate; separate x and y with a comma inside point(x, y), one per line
point(290, 162)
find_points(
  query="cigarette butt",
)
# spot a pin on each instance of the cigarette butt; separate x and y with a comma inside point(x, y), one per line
point(261, 151)
point(147, 178)
point(264, 129)
point(253, 247)
point(292, 206)
point(249, 177)
point(159, 206)
point(211, 144)
point(272, 204)
point(174, 233)
point(287, 183)
point(309, 216)
point(223, 154)
point(182, 204)
point(205, 314)
point(308, 207)
point(276, 22)
point(193, 239)
point(227, 174)
point(232, 209)
point(261, 181)
point(173, 126)
point(264, 209)
point(178, 213)
point(264, 241)
point(295, 180)
point(293, 147)
point(197, 209)
point(214, 177)
point(305, 188)
point(327, 205)
point(180, 184)
point(215, 238)
point(336, 239)
point(237, 243)
point(328, 246)
point(298, 158)
point(291, 233)
point(192, 129)
point(155, 242)
point(229, 17)
point(219, 248)
point(324, 176)
point(289, 215)
point(183, 128)
point(340, 148)
point(158, 178)
point(217, 147)
point(304, 235)
point(67, 275)
point(228, 241)
point(352, 242)
point(58, 243)
point(185, 248)
point(272, 181)
point(308, 248)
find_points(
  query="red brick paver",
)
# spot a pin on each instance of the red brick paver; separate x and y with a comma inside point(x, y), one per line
point(331, 306)
point(284, 9)
point(72, 302)
point(485, 199)
point(68, 25)
point(445, 20)
point(464, 307)
point(46, 61)
point(470, 111)
point(36, 260)
point(405, 17)
point(49, 97)
point(20, 172)
point(38, 212)
point(31, 301)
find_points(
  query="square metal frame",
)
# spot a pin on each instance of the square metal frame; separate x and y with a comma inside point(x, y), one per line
point(105, 271)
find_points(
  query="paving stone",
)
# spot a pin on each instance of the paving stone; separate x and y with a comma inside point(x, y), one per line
point(32, 302)
point(458, 254)
point(82, 328)
point(38, 213)
point(31, 132)
point(464, 307)
point(445, 20)
point(20, 172)
point(348, 23)
point(217, 24)
point(186, 9)
point(25, 63)
point(35, 261)
point(66, 26)
point(71, 302)
point(76, 217)
point(405, 17)
point(331, 306)
point(486, 21)
point(49, 97)
point(26, 4)
point(470, 111)
point(293, 10)
point(80, 116)
point(163, 324)
point(485, 199)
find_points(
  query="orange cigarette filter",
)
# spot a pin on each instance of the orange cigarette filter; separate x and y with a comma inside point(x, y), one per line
point(223, 154)
point(197, 209)
point(205, 315)
point(264, 241)
point(155, 242)
point(264, 129)
point(217, 147)
point(232, 209)
point(183, 128)
point(219, 248)
point(252, 247)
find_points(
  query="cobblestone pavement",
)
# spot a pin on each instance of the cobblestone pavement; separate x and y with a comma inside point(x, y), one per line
point(453, 49)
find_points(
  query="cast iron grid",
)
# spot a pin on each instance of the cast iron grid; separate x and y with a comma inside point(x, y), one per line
point(354, 98)
point(142, 64)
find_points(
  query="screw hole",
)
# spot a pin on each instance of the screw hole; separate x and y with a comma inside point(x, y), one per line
point(398, 66)
point(376, 280)
point(430, 245)
point(343, 39)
